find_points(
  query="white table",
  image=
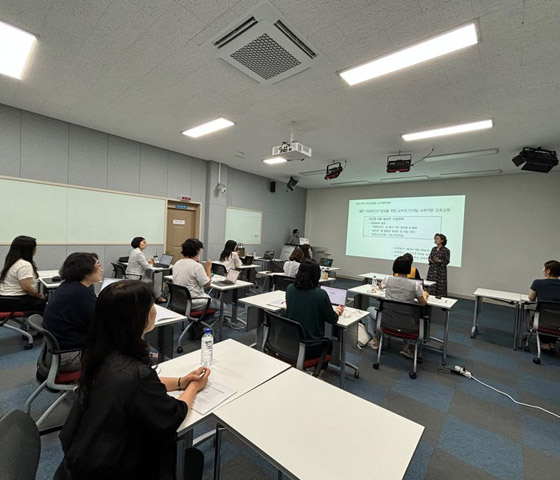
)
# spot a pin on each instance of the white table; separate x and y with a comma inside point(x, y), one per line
point(330, 270)
point(518, 300)
point(247, 271)
point(291, 422)
point(381, 276)
point(45, 280)
point(165, 319)
point(267, 274)
point(445, 304)
point(263, 302)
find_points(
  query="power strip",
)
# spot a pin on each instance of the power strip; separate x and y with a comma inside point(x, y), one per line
point(461, 371)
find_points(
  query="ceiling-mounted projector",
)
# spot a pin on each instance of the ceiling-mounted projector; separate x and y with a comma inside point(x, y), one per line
point(536, 159)
point(292, 151)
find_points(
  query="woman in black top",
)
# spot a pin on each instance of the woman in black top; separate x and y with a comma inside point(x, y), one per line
point(123, 423)
point(437, 271)
point(547, 290)
point(70, 311)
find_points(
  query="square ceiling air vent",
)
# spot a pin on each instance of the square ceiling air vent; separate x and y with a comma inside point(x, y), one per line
point(263, 47)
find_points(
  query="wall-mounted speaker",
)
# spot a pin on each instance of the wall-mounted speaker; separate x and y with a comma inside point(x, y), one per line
point(272, 187)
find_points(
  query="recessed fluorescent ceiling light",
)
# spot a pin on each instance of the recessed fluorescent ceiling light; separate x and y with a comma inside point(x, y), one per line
point(15, 47)
point(352, 182)
point(442, 44)
point(312, 172)
point(479, 173)
point(458, 155)
point(440, 132)
point(274, 160)
point(405, 179)
point(208, 127)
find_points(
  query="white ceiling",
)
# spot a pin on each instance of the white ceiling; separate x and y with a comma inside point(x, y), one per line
point(139, 69)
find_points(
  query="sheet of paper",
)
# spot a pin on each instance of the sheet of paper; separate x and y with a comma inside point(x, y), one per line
point(277, 303)
point(213, 394)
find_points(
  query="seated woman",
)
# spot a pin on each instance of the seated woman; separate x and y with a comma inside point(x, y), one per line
point(229, 256)
point(18, 279)
point(70, 312)
point(399, 288)
point(123, 423)
point(138, 267)
point(191, 274)
point(547, 290)
point(310, 305)
point(307, 252)
point(291, 267)
point(414, 273)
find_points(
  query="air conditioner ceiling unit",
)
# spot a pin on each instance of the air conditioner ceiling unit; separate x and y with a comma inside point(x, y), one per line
point(262, 46)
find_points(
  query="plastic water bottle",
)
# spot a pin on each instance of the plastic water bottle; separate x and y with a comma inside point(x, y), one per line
point(206, 348)
point(156, 258)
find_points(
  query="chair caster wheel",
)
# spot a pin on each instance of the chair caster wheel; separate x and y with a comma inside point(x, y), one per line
point(537, 361)
point(376, 366)
point(179, 349)
point(356, 374)
point(412, 375)
point(28, 346)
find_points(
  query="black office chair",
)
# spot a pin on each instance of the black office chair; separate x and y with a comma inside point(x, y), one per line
point(9, 312)
point(545, 321)
point(285, 340)
point(401, 320)
point(281, 282)
point(219, 269)
point(20, 446)
point(118, 270)
point(180, 301)
point(49, 363)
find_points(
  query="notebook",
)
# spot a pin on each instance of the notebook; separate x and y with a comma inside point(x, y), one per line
point(326, 262)
point(230, 279)
point(337, 296)
point(164, 261)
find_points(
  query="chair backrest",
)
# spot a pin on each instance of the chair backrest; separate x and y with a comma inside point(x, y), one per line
point(20, 446)
point(283, 337)
point(118, 270)
point(123, 259)
point(179, 298)
point(400, 317)
point(281, 282)
point(50, 344)
point(549, 317)
point(219, 269)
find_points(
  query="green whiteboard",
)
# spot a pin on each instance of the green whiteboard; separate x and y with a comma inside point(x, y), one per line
point(244, 226)
point(71, 215)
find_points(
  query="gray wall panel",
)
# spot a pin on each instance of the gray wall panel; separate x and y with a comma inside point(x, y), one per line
point(124, 165)
point(44, 148)
point(10, 140)
point(198, 184)
point(49, 257)
point(180, 176)
point(87, 157)
point(153, 171)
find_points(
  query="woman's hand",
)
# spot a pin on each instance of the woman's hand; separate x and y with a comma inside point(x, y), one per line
point(151, 261)
point(200, 379)
point(339, 310)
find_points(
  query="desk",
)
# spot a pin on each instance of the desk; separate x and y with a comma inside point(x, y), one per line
point(248, 272)
point(330, 270)
point(262, 302)
point(165, 319)
point(291, 421)
point(361, 301)
point(235, 365)
point(45, 284)
point(267, 274)
point(381, 276)
point(516, 299)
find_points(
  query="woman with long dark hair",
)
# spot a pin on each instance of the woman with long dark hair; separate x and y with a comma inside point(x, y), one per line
point(18, 279)
point(123, 422)
point(310, 305)
point(229, 257)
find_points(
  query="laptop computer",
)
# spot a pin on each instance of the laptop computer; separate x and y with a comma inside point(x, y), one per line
point(276, 267)
point(247, 260)
point(230, 279)
point(337, 296)
point(303, 240)
point(269, 255)
point(107, 281)
point(164, 261)
point(325, 262)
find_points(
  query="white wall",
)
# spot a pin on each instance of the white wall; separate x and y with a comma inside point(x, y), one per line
point(512, 226)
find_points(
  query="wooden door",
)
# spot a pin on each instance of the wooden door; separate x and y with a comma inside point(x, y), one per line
point(181, 224)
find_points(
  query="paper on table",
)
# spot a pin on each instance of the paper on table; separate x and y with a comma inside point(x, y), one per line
point(213, 394)
point(163, 313)
point(277, 303)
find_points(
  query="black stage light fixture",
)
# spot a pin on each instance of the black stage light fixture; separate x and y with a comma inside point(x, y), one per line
point(333, 170)
point(536, 159)
point(399, 163)
point(292, 182)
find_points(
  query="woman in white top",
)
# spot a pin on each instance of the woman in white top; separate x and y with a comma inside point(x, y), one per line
point(229, 257)
point(139, 268)
point(18, 278)
point(191, 274)
point(291, 267)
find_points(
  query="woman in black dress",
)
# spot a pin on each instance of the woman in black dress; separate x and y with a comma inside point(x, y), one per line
point(123, 423)
point(437, 271)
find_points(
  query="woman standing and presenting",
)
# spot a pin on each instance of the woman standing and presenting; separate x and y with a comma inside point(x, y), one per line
point(229, 256)
point(18, 278)
point(437, 271)
point(123, 423)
